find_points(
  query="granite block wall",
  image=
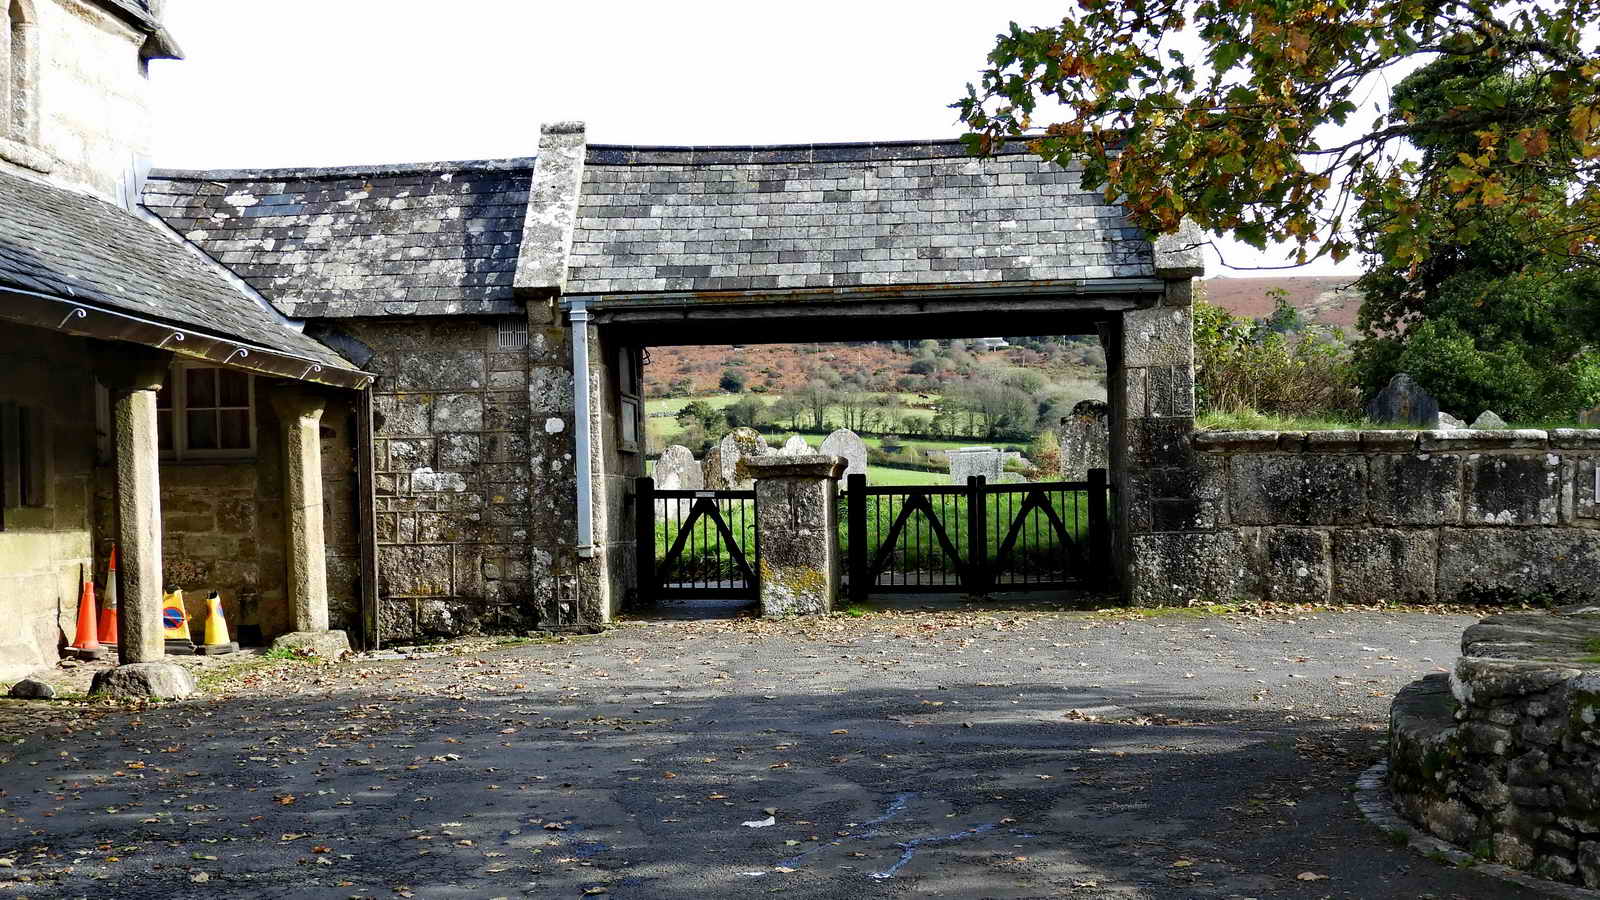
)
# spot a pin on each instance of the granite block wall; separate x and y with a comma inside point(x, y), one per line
point(1377, 517)
point(43, 546)
point(1499, 756)
point(454, 493)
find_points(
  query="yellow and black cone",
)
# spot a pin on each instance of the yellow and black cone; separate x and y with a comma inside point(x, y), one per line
point(217, 642)
point(175, 624)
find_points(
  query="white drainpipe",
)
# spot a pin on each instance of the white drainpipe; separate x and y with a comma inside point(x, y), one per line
point(579, 311)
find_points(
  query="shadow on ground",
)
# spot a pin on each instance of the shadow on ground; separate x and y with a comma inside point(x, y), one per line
point(630, 764)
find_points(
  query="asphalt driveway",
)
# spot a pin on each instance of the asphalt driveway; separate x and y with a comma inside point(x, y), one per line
point(956, 753)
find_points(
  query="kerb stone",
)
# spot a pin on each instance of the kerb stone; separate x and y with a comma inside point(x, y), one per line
point(165, 680)
point(326, 644)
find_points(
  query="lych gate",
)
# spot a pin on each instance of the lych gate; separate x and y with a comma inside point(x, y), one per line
point(674, 246)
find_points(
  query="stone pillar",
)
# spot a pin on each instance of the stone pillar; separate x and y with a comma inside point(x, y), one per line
point(300, 420)
point(134, 435)
point(1165, 497)
point(133, 374)
point(797, 525)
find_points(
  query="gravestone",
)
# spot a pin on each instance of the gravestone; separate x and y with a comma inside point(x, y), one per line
point(1403, 402)
point(1488, 419)
point(848, 444)
point(711, 475)
point(795, 446)
point(1085, 439)
point(738, 444)
point(968, 461)
point(677, 470)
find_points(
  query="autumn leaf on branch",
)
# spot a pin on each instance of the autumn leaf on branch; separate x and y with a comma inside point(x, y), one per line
point(1248, 116)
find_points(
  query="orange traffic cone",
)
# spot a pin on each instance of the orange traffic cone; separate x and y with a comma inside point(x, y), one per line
point(108, 612)
point(86, 645)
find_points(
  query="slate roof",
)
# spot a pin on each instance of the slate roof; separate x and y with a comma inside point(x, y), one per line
point(840, 215)
point(428, 239)
point(74, 246)
point(136, 12)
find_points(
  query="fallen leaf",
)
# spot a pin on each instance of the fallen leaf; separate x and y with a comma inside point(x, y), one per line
point(1311, 876)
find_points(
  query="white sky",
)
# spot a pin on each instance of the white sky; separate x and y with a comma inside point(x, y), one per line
point(343, 82)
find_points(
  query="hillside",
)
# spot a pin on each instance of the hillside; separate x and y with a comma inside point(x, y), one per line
point(1323, 299)
point(778, 368)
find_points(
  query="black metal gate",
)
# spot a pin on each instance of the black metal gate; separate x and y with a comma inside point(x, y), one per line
point(977, 538)
point(695, 543)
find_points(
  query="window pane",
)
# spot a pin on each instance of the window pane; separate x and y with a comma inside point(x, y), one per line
point(630, 421)
point(202, 430)
point(235, 429)
point(202, 385)
point(164, 429)
point(235, 388)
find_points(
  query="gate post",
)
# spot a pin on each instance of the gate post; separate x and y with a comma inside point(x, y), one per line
point(1099, 527)
point(797, 522)
point(856, 531)
point(977, 536)
point(644, 519)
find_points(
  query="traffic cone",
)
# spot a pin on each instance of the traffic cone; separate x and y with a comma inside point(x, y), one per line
point(108, 612)
point(86, 646)
point(175, 624)
point(217, 642)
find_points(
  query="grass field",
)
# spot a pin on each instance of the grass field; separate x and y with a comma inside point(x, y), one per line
point(884, 475)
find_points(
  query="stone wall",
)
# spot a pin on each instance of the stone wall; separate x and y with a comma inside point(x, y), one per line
point(1150, 400)
point(93, 105)
point(42, 548)
point(1499, 758)
point(454, 498)
point(1376, 517)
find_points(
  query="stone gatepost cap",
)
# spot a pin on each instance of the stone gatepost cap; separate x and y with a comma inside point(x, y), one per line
point(813, 465)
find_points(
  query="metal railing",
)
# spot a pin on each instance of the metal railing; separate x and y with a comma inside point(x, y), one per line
point(695, 543)
point(976, 538)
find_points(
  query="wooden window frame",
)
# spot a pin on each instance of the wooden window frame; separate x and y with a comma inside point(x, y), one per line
point(629, 375)
point(178, 385)
point(26, 458)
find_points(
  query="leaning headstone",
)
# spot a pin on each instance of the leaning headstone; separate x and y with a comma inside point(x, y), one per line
point(711, 476)
point(32, 689)
point(740, 443)
point(1085, 439)
point(1487, 419)
point(848, 444)
point(1403, 402)
point(795, 446)
point(968, 461)
point(677, 470)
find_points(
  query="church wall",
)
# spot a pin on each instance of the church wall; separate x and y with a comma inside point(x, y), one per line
point(92, 100)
